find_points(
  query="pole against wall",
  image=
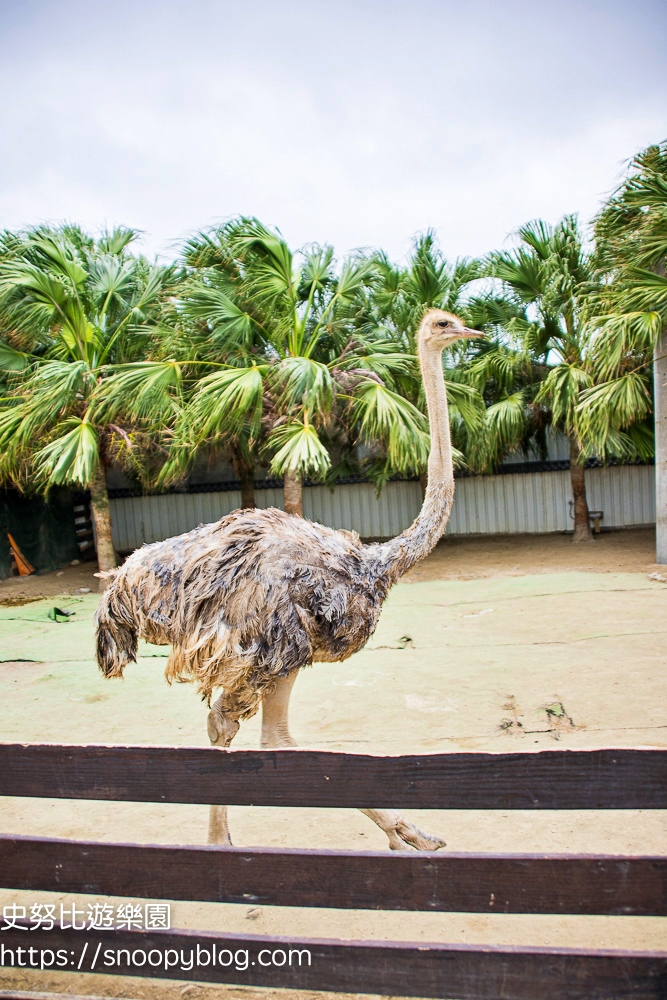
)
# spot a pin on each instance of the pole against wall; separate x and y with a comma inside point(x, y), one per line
point(660, 393)
point(23, 567)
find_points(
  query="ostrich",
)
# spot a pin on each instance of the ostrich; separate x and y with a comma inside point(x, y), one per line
point(247, 601)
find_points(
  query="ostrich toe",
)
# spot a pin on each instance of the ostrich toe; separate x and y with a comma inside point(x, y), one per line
point(221, 729)
point(414, 837)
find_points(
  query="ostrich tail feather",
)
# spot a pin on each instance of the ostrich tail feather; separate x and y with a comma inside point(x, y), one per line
point(116, 635)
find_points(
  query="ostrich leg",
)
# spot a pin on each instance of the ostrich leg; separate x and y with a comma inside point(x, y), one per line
point(402, 835)
point(275, 710)
point(221, 731)
point(223, 725)
point(218, 826)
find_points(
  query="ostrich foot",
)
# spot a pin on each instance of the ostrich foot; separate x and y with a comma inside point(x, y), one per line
point(401, 834)
point(414, 837)
point(221, 729)
point(274, 739)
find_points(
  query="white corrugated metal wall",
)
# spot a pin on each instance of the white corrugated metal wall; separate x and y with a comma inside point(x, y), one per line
point(512, 504)
point(539, 501)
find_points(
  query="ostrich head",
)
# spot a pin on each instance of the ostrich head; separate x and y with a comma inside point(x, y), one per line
point(440, 329)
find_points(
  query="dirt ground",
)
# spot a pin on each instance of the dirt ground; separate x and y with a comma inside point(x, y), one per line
point(457, 557)
point(494, 643)
point(473, 557)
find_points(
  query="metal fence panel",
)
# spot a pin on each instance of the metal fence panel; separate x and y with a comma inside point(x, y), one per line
point(519, 503)
point(355, 507)
point(626, 493)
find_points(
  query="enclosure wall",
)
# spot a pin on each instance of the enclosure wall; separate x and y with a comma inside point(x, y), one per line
point(507, 504)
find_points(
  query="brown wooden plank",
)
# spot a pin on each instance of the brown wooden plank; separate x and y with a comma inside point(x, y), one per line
point(479, 883)
point(466, 972)
point(547, 779)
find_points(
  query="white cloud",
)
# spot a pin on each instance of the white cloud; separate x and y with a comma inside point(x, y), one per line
point(358, 124)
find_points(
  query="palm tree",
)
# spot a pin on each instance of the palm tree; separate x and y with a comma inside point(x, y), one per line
point(397, 303)
point(291, 371)
point(551, 273)
point(70, 309)
point(629, 316)
point(491, 384)
point(507, 368)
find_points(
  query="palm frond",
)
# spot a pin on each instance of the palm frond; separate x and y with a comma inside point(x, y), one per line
point(561, 390)
point(298, 448)
point(227, 402)
point(51, 390)
point(392, 367)
point(143, 391)
point(114, 241)
point(225, 319)
point(317, 273)
point(617, 336)
point(641, 440)
point(12, 449)
point(468, 401)
point(506, 419)
point(524, 272)
point(72, 457)
point(396, 424)
point(303, 382)
point(355, 276)
point(112, 281)
point(538, 235)
point(613, 405)
point(62, 257)
point(12, 360)
point(266, 258)
point(504, 366)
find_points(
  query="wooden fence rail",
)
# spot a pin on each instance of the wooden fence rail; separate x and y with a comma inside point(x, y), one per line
point(488, 883)
point(547, 779)
point(431, 882)
point(465, 972)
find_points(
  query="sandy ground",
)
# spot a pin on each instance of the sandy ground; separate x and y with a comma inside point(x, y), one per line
point(460, 557)
point(473, 557)
point(473, 651)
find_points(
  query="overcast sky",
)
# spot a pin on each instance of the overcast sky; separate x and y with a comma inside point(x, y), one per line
point(355, 122)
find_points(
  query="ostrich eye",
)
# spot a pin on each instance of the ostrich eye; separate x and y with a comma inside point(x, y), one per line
point(443, 323)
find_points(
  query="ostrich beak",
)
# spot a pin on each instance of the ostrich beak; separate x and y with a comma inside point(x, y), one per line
point(466, 332)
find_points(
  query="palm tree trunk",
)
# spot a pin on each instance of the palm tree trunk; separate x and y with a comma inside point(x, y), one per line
point(245, 470)
point(582, 521)
point(99, 503)
point(247, 489)
point(293, 491)
point(660, 409)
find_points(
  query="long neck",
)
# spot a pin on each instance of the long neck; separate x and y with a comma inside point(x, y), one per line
point(395, 557)
point(440, 467)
